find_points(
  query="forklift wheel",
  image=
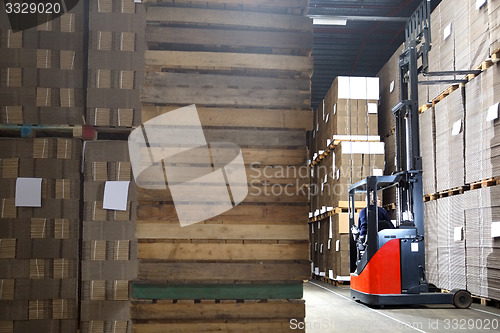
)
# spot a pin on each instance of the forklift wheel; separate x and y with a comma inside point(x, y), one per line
point(462, 299)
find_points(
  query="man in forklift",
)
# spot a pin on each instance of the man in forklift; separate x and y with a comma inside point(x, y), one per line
point(384, 221)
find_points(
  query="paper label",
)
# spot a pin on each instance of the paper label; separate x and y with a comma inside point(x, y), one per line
point(378, 172)
point(372, 108)
point(495, 229)
point(329, 244)
point(337, 245)
point(330, 232)
point(457, 128)
point(330, 274)
point(391, 86)
point(458, 234)
point(373, 88)
point(447, 31)
point(321, 248)
point(28, 192)
point(327, 117)
point(116, 195)
point(414, 247)
point(480, 3)
point(492, 112)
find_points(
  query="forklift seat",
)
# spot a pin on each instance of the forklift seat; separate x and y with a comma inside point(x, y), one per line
point(383, 224)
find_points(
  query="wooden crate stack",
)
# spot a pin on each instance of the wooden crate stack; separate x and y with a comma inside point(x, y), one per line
point(247, 67)
point(109, 246)
point(115, 62)
point(42, 68)
point(344, 149)
point(39, 247)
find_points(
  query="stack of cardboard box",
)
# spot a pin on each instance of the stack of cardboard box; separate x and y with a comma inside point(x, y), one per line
point(115, 63)
point(41, 81)
point(109, 245)
point(39, 234)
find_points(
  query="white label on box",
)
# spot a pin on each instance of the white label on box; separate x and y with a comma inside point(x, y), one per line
point(311, 215)
point(321, 248)
point(28, 192)
point(323, 109)
point(319, 225)
point(322, 187)
point(458, 234)
point(337, 245)
point(330, 232)
point(329, 244)
point(391, 86)
point(378, 172)
point(372, 108)
point(326, 179)
point(447, 31)
point(335, 109)
point(495, 229)
point(327, 117)
point(116, 195)
point(316, 246)
point(343, 86)
point(317, 127)
point(321, 152)
point(414, 247)
point(492, 112)
point(328, 142)
point(330, 274)
point(315, 156)
point(316, 270)
point(457, 127)
point(338, 173)
point(373, 88)
point(329, 209)
point(480, 3)
point(312, 172)
point(314, 134)
point(138, 1)
point(322, 274)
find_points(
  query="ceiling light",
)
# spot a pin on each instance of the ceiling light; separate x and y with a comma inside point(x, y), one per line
point(329, 21)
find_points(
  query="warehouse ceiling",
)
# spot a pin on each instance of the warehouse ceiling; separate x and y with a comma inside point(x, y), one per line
point(373, 30)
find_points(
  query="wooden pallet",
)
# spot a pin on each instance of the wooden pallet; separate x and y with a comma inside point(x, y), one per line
point(32, 131)
point(486, 301)
point(485, 183)
point(454, 191)
point(338, 283)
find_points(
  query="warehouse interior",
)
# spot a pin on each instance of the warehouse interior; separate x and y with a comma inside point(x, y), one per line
point(185, 165)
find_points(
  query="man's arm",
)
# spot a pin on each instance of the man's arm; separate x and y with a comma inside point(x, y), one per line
point(362, 225)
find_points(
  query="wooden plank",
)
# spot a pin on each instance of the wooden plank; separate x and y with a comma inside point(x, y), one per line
point(200, 311)
point(256, 156)
point(240, 117)
point(296, 176)
point(217, 291)
point(222, 251)
point(224, 271)
point(211, 81)
point(223, 37)
point(241, 213)
point(214, 17)
point(226, 97)
point(146, 230)
point(247, 137)
point(283, 193)
point(213, 60)
point(227, 327)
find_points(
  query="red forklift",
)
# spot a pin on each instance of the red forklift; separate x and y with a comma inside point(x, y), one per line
point(388, 266)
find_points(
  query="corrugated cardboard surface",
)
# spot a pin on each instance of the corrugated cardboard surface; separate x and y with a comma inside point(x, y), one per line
point(109, 244)
point(116, 49)
point(481, 139)
point(428, 150)
point(450, 113)
point(39, 246)
point(50, 88)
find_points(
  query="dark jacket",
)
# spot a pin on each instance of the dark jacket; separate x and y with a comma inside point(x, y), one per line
point(362, 224)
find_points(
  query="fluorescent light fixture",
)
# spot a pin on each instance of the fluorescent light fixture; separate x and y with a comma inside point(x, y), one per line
point(329, 21)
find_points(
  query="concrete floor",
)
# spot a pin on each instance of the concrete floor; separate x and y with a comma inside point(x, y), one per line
point(330, 309)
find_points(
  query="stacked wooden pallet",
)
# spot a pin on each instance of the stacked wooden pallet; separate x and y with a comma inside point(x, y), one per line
point(39, 245)
point(246, 66)
point(42, 72)
point(115, 63)
point(109, 245)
